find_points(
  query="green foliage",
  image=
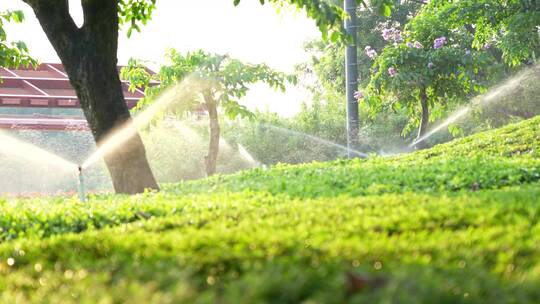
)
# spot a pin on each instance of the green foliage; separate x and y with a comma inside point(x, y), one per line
point(12, 54)
point(222, 78)
point(133, 12)
point(510, 26)
point(242, 242)
point(304, 137)
point(509, 156)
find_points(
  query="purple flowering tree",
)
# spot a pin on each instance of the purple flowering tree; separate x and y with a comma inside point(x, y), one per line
point(422, 70)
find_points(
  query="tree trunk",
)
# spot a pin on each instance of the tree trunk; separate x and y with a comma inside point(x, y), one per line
point(213, 148)
point(424, 120)
point(89, 57)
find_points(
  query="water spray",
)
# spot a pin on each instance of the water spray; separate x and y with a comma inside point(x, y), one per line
point(82, 196)
point(481, 101)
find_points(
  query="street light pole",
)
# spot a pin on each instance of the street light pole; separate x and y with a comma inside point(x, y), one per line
point(351, 78)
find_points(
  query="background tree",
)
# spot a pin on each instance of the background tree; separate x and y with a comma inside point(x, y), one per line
point(424, 70)
point(89, 55)
point(219, 82)
point(448, 53)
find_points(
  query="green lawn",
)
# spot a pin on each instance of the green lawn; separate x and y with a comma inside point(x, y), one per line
point(454, 224)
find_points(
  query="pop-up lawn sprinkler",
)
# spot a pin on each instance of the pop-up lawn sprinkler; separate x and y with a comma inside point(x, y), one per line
point(82, 196)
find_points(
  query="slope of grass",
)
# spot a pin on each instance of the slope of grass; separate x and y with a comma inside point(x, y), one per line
point(458, 223)
point(494, 159)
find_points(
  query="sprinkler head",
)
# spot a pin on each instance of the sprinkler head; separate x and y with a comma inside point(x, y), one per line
point(82, 196)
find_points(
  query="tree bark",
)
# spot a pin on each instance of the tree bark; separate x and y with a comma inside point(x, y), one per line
point(213, 148)
point(424, 121)
point(89, 57)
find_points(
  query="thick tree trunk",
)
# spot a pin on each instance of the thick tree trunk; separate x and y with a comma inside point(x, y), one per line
point(89, 57)
point(424, 120)
point(127, 165)
point(213, 148)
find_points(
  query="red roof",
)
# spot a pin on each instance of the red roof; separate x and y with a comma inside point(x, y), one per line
point(46, 86)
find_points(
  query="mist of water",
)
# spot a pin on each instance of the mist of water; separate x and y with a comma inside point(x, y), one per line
point(27, 168)
point(247, 156)
point(315, 139)
point(187, 132)
point(124, 133)
point(493, 95)
point(33, 154)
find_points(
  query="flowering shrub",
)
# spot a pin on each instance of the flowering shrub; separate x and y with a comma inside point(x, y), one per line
point(421, 79)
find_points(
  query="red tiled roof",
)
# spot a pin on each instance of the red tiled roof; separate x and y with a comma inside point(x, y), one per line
point(46, 86)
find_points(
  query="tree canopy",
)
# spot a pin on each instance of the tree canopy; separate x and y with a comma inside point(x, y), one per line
point(511, 26)
point(214, 82)
point(227, 79)
point(449, 52)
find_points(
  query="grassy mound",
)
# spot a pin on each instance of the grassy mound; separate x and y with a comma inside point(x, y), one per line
point(458, 223)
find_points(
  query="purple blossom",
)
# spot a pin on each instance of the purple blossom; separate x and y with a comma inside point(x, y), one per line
point(439, 42)
point(430, 65)
point(486, 46)
point(371, 53)
point(409, 44)
point(358, 95)
point(418, 45)
point(392, 71)
point(387, 33)
point(392, 34)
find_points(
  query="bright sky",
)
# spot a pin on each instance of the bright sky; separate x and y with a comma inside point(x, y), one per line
point(250, 31)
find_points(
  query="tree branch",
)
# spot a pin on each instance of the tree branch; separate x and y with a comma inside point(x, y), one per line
point(101, 15)
point(101, 26)
point(57, 23)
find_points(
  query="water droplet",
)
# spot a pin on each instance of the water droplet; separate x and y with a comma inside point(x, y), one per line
point(82, 274)
point(68, 274)
point(38, 267)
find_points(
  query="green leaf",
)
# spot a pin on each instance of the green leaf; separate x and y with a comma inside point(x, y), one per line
point(385, 10)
